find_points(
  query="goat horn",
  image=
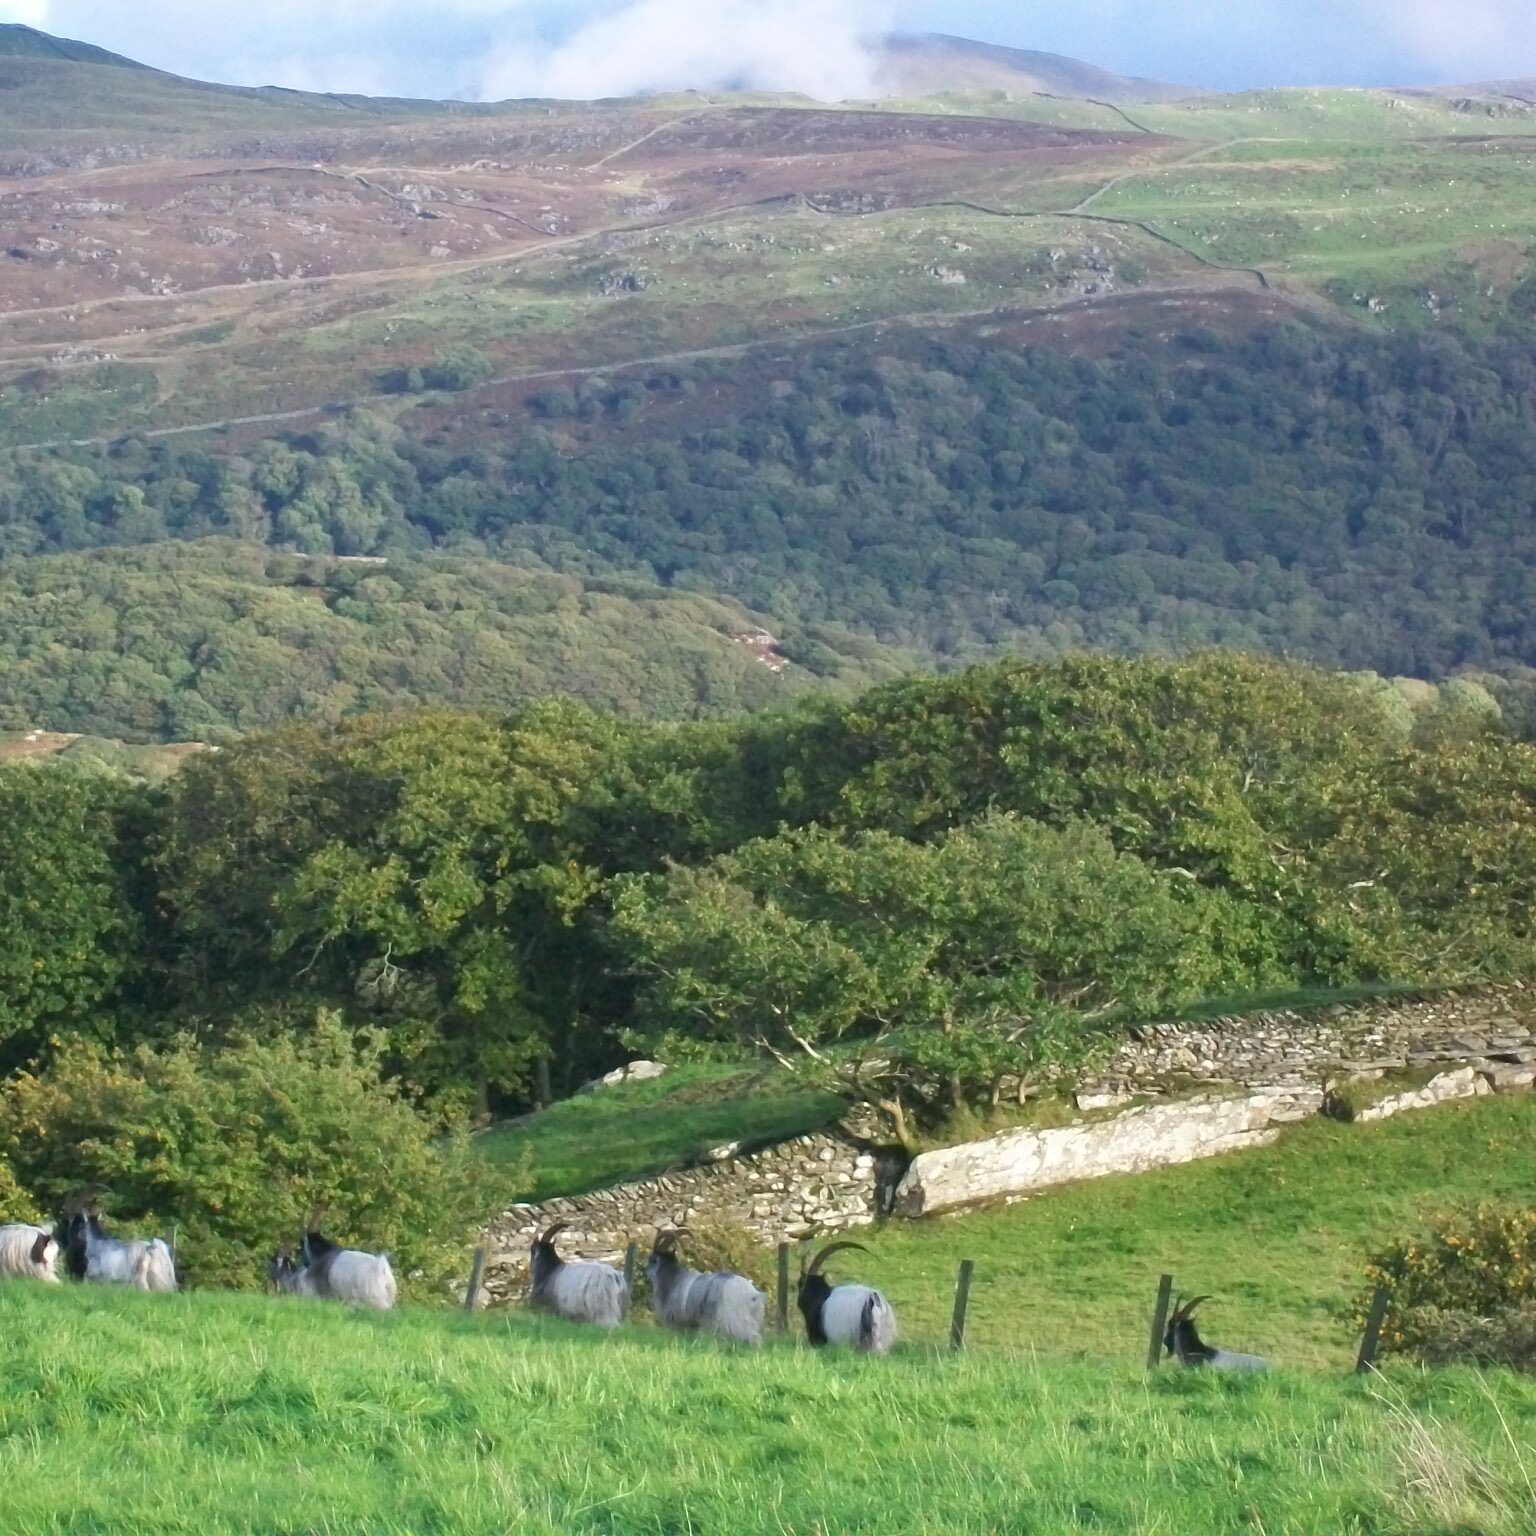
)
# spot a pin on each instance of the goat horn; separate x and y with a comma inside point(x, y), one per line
point(552, 1229)
point(827, 1252)
point(1182, 1314)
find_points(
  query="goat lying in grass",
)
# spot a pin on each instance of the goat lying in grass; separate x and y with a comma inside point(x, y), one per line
point(330, 1272)
point(580, 1292)
point(1182, 1341)
point(856, 1316)
point(28, 1252)
point(90, 1254)
point(725, 1304)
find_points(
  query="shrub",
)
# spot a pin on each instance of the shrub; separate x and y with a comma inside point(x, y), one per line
point(237, 1145)
point(1468, 1265)
point(15, 1203)
point(1508, 1338)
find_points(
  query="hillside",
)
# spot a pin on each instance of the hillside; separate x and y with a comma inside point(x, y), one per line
point(21, 42)
point(1043, 372)
point(933, 64)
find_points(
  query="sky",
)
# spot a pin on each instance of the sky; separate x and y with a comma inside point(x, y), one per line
point(489, 49)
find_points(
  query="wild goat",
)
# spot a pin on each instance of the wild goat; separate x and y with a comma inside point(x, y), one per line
point(1183, 1341)
point(723, 1303)
point(28, 1252)
point(857, 1316)
point(89, 1254)
point(580, 1292)
point(332, 1273)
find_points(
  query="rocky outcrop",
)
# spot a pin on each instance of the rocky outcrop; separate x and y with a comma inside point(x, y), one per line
point(1152, 1136)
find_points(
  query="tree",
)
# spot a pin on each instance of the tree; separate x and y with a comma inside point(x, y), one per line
point(918, 976)
point(72, 936)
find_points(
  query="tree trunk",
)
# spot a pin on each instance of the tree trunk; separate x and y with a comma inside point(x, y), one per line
point(482, 1100)
point(1023, 1091)
point(543, 1095)
point(895, 1112)
point(956, 1091)
point(995, 1092)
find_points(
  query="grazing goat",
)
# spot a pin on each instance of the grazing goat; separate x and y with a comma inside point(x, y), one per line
point(28, 1252)
point(332, 1273)
point(581, 1292)
point(1182, 1340)
point(725, 1304)
point(89, 1254)
point(857, 1316)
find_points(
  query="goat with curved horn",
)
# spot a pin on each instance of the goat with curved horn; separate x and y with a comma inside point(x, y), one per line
point(722, 1303)
point(581, 1292)
point(856, 1316)
point(90, 1254)
point(1183, 1341)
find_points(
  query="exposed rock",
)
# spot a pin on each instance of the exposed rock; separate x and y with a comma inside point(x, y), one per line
point(1465, 1083)
point(1017, 1162)
point(631, 1072)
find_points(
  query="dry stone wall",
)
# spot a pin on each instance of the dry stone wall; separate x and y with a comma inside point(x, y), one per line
point(1249, 1076)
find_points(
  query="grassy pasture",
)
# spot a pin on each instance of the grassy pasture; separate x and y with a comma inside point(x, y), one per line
point(124, 1413)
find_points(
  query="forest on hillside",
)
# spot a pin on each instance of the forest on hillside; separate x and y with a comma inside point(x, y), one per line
point(1358, 501)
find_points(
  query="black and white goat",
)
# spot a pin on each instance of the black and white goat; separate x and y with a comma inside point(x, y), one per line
point(28, 1252)
point(856, 1316)
point(330, 1272)
point(581, 1292)
point(723, 1303)
point(90, 1254)
point(1182, 1341)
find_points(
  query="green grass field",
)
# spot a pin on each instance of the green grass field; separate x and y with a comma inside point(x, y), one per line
point(210, 1414)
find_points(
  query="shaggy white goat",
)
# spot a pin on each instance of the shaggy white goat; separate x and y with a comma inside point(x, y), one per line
point(28, 1252)
point(856, 1316)
point(723, 1303)
point(90, 1254)
point(580, 1292)
point(333, 1273)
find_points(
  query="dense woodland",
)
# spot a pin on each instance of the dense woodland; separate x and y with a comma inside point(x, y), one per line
point(195, 641)
point(513, 898)
point(1357, 501)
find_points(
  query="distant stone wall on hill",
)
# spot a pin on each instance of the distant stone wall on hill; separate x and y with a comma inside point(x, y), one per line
point(1212, 1087)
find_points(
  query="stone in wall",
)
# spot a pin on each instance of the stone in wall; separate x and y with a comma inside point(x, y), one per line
point(1467, 1083)
point(1153, 1136)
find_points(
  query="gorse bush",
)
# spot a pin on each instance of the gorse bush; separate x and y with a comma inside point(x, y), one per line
point(237, 1145)
point(1507, 1338)
point(1467, 1265)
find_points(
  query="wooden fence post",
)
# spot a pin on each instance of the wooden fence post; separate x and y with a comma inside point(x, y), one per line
point(1159, 1322)
point(962, 1301)
point(1372, 1340)
point(783, 1288)
point(631, 1258)
point(476, 1275)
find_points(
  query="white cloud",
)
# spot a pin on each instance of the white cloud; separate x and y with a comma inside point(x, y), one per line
point(818, 47)
point(32, 13)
